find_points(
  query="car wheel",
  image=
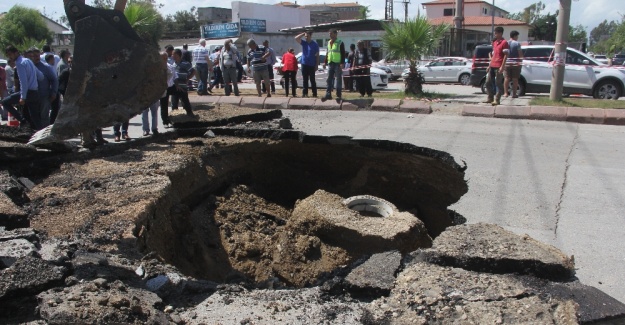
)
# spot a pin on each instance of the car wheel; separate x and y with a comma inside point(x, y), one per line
point(608, 89)
point(483, 86)
point(521, 91)
point(464, 79)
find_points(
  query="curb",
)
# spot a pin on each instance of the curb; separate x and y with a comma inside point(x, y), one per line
point(389, 105)
point(549, 113)
point(546, 113)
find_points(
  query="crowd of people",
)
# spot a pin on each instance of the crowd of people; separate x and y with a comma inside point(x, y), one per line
point(33, 83)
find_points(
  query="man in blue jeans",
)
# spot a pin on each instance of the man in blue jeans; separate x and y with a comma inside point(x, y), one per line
point(200, 58)
point(335, 60)
point(309, 61)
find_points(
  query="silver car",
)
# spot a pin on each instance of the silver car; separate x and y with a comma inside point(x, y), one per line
point(445, 69)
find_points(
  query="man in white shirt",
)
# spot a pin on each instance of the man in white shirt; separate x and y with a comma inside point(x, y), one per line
point(200, 60)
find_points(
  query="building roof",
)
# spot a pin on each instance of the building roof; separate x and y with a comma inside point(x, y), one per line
point(452, 2)
point(334, 5)
point(344, 25)
point(446, 2)
point(478, 21)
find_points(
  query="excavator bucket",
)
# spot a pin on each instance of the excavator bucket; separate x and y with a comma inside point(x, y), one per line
point(115, 75)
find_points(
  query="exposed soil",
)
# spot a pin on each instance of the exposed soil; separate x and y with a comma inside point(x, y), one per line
point(195, 230)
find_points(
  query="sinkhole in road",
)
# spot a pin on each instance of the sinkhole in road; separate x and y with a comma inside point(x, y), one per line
point(294, 211)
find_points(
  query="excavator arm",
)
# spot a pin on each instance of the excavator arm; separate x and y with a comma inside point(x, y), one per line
point(115, 74)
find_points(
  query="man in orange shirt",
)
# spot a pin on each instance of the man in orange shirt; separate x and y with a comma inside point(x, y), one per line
point(497, 66)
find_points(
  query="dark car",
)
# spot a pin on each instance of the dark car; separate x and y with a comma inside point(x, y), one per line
point(618, 59)
point(478, 68)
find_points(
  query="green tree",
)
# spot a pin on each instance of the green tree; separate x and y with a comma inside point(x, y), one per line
point(530, 14)
point(602, 32)
point(577, 34)
point(145, 20)
point(104, 4)
point(410, 41)
point(545, 27)
point(364, 12)
point(186, 20)
point(23, 27)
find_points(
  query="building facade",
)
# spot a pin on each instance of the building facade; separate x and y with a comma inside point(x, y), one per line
point(478, 20)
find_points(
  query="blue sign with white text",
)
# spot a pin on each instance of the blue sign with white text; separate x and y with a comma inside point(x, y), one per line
point(253, 25)
point(220, 30)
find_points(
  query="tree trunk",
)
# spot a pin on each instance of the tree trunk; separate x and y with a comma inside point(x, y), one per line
point(413, 84)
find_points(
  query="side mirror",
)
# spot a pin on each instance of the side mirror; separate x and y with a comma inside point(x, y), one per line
point(586, 62)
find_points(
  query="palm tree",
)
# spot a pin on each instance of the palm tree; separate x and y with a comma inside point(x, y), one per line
point(410, 41)
point(145, 20)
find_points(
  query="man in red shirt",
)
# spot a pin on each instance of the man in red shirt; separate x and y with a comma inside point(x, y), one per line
point(494, 73)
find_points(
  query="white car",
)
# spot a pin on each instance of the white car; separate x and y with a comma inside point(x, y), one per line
point(582, 74)
point(601, 58)
point(3, 63)
point(445, 69)
point(396, 67)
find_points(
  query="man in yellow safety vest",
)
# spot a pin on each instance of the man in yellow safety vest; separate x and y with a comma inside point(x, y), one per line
point(334, 60)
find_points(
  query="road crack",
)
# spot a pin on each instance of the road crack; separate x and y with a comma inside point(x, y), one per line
point(564, 181)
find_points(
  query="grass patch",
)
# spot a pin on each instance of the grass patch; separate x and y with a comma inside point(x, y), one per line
point(385, 94)
point(579, 102)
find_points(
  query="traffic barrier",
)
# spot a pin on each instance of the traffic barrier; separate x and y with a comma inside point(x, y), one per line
point(11, 120)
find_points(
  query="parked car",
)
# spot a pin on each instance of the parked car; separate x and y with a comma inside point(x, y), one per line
point(396, 66)
point(445, 69)
point(618, 59)
point(478, 68)
point(582, 74)
point(3, 63)
point(601, 58)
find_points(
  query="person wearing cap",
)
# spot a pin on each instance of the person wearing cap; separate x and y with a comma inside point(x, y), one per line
point(28, 93)
point(310, 61)
point(334, 61)
point(257, 62)
point(200, 60)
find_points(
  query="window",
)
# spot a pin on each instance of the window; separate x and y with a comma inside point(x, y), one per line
point(575, 58)
point(486, 11)
point(538, 54)
point(449, 12)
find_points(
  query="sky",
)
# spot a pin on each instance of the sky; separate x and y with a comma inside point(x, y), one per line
point(588, 13)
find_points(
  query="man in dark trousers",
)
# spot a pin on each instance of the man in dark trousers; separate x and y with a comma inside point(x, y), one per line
point(362, 65)
point(310, 61)
point(497, 66)
point(350, 78)
point(335, 60)
point(28, 93)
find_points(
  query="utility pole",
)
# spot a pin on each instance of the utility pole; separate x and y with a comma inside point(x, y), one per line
point(492, 23)
point(406, 2)
point(388, 14)
point(562, 39)
point(458, 18)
